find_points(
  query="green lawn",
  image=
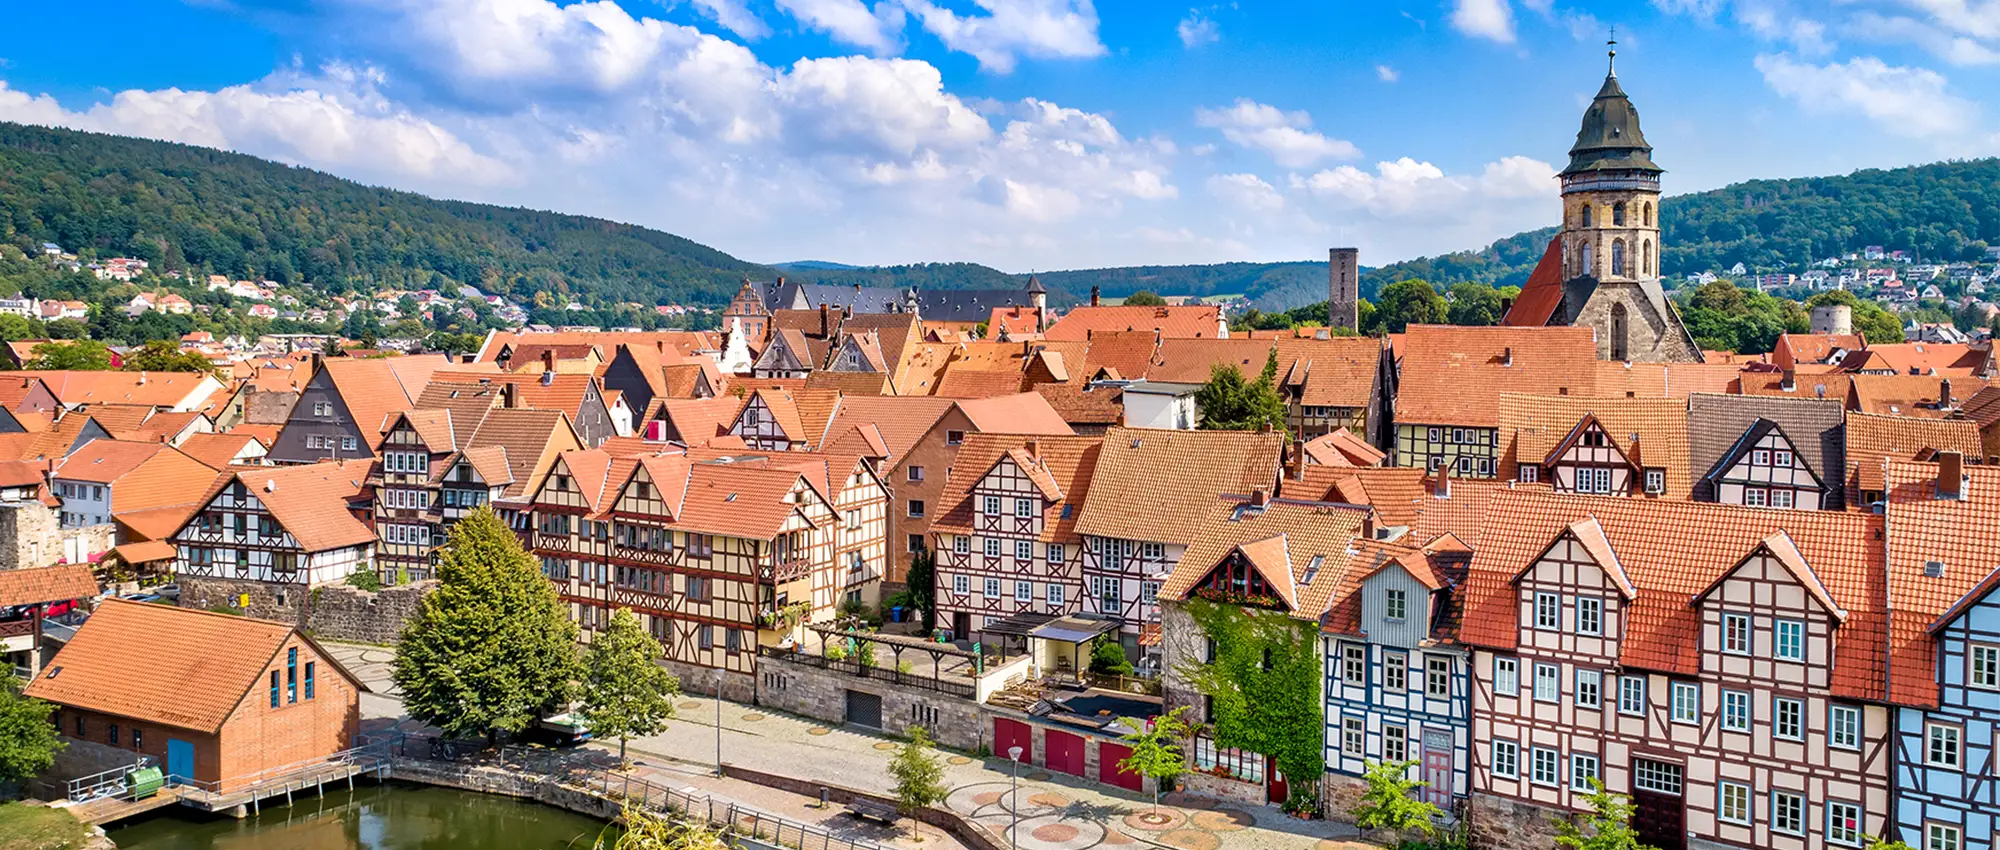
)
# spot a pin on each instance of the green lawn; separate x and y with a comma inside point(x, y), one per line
point(36, 828)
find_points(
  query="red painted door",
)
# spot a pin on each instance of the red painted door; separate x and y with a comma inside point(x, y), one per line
point(1277, 790)
point(1065, 752)
point(1437, 768)
point(1108, 772)
point(1013, 733)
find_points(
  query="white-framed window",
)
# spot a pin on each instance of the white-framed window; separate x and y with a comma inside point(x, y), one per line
point(1941, 745)
point(1843, 727)
point(1755, 497)
point(1732, 802)
point(1788, 813)
point(1760, 457)
point(1736, 711)
point(1433, 435)
point(989, 505)
point(1395, 603)
point(1543, 765)
point(1781, 497)
point(1153, 551)
point(1781, 458)
point(1631, 695)
point(1024, 508)
point(1149, 592)
point(1395, 671)
point(1789, 643)
point(1528, 473)
point(1938, 836)
point(1506, 759)
point(322, 408)
point(961, 583)
point(1583, 767)
point(992, 547)
point(992, 588)
point(1395, 743)
point(1055, 553)
point(1656, 776)
point(1736, 634)
point(1788, 718)
point(1054, 596)
point(1687, 702)
point(1353, 736)
point(1024, 591)
point(1984, 661)
point(1843, 823)
point(1506, 676)
point(961, 544)
point(1024, 550)
point(1437, 676)
point(1656, 481)
point(1589, 615)
point(1548, 683)
point(1354, 663)
point(1589, 689)
point(914, 473)
point(1548, 611)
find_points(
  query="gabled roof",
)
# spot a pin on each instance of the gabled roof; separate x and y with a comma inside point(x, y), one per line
point(155, 389)
point(900, 421)
point(548, 391)
point(105, 461)
point(1795, 349)
point(1079, 404)
point(490, 463)
point(1873, 440)
point(1187, 322)
point(1062, 466)
point(1341, 448)
point(434, 427)
point(1017, 413)
point(216, 450)
point(310, 501)
point(371, 391)
point(527, 436)
point(1919, 359)
point(698, 420)
point(1781, 549)
point(34, 586)
point(1306, 548)
point(468, 402)
point(1956, 535)
point(1911, 395)
point(1535, 429)
point(1590, 535)
point(1541, 294)
point(1155, 485)
point(1719, 426)
point(1758, 430)
point(1456, 375)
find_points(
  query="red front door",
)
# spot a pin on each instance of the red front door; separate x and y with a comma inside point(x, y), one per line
point(1437, 768)
point(1277, 790)
point(1065, 752)
point(1013, 733)
point(1108, 772)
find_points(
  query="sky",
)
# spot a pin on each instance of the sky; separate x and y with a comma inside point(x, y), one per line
point(1024, 134)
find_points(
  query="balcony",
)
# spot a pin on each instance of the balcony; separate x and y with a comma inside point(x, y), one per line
point(792, 569)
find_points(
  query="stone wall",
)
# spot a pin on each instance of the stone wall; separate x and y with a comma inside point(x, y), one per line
point(1339, 794)
point(79, 759)
point(330, 611)
point(28, 536)
point(1496, 823)
point(1219, 788)
point(821, 694)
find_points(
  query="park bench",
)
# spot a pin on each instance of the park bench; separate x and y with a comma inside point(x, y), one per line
point(861, 807)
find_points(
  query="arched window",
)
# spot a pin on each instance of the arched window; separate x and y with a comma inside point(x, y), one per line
point(1585, 266)
point(1583, 214)
point(1618, 328)
point(1618, 214)
point(1646, 257)
point(1649, 213)
point(1617, 258)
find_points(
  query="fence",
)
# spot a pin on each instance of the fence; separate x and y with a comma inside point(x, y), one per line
point(952, 686)
point(591, 770)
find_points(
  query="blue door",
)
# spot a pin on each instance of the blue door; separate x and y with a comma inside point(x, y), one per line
point(180, 759)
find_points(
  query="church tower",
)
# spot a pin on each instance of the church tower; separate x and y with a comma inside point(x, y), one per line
point(1604, 269)
point(1343, 288)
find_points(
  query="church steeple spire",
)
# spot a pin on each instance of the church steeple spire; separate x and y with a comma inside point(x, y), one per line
point(1611, 66)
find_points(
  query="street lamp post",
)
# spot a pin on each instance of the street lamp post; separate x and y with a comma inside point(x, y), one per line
point(718, 723)
point(1014, 798)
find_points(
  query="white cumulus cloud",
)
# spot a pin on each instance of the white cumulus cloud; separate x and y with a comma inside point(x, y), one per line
point(1488, 19)
point(735, 16)
point(1011, 29)
point(1386, 74)
point(1905, 101)
point(878, 30)
point(1287, 137)
point(1198, 29)
point(1246, 191)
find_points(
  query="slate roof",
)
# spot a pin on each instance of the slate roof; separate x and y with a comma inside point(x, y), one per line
point(1717, 422)
point(1157, 485)
point(1609, 138)
point(943, 305)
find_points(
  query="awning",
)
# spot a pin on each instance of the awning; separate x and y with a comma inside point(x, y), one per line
point(1149, 634)
point(1019, 624)
point(146, 551)
point(1075, 628)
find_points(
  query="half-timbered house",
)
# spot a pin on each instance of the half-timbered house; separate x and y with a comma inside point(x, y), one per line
point(1767, 451)
point(1006, 542)
point(1602, 446)
point(790, 355)
point(409, 504)
point(293, 525)
point(1719, 664)
point(472, 478)
point(784, 420)
point(924, 435)
point(1449, 386)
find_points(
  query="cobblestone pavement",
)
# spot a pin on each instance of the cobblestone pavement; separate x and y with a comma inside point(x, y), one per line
point(370, 664)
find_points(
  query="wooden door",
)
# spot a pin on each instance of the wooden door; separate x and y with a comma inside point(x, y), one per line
point(1658, 814)
point(1437, 768)
point(961, 625)
point(1064, 752)
point(1108, 772)
point(1013, 733)
point(1277, 790)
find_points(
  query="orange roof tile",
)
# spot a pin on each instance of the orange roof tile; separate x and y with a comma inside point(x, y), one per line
point(1020, 413)
point(170, 478)
point(370, 390)
point(1911, 395)
point(1302, 549)
point(1542, 292)
point(1341, 448)
point(1958, 534)
point(155, 389)
point(36, 585)
point(1531, 427)
point(977, 383)
point(1079, 404)
point(1188, 322)
point(1455, 375)
point(1063, 465)
point(1793, 350)
point(1664, 380)
point(1952, 359)
point(1155, 485)
point(310, 501)
point(1873, 440)
point(900, 420)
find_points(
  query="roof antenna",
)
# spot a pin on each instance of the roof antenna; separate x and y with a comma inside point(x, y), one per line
point(1611, 67)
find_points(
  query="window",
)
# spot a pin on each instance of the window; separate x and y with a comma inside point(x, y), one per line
point(1024, 550)
point(292, 675)
point(1985, 672)
point(953, 438)
point(1733, 802)
point(1149, 592)
point(1781, 498)
point(914, 473)
point(732, 641)
point(961, 583)
point(698, 589)
point(322, 408)
point(1353, 736)
point(348, 444)
point(1506, 676)
point(1024, 591)
point(1632, 695)
point(1507, 759)
point(1548, 611)
point(111, 734)
point(915, 543)
point(1589, 689)
point(1843, 823)
point(274, 688)
point(1152, 551)
point(1395, 743)
point(1248, 767)
point(1589, 616)
point(961, 544)
point(706, 635)
point(993, 588)
point(1395, 671)
point(916, 507)
point(310, 665)
point(1055, 553)
point(1755, 497)
point(1736, 634)
point(1593, 479)
point(1395, 603)
point(1528, 474)
point(989, 505)
point(1941, 745)
point(1736, 711)
point(1582, 769)
point(1843, 727)
point(1687, 702)
point(992, 547)
point(1354, 663)
point(1656, 776)
point(1024, 508)
point(1437, 676)
point(1790, 644)
point(1760, 457)
point(1543, 766)
point(1781, 457)
point(1788, 813)
point(1656, 481)
point(1939, 836)
point(1054, 595)
point(1548, 683)
point(1789, 717)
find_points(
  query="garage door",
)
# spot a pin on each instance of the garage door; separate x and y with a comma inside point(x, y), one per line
point(1108, 772)
point(1065, 752)
point(1013, 733)
point(864, 709)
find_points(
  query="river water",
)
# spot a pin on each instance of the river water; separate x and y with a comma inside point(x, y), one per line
point(372, 817)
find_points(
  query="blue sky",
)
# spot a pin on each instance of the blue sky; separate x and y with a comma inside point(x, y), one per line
point(1025, 134)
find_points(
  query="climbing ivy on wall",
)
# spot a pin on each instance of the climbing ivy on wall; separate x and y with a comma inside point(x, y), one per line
point(1263, 686)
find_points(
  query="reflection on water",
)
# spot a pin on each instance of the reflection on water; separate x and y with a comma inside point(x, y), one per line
point(373, 817)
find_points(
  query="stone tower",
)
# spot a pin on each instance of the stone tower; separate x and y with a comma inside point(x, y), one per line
point(1610, 249)
point(1343, 288)
point(1833, 319)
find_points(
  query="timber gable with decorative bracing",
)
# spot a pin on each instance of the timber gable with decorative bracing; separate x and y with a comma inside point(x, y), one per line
point(1948, 757)
point(234, 536)
point(1006, 562)
point(1765, 469)
point(1471, 452)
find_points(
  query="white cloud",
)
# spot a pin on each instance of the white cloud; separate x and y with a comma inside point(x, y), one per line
point(1197, 29)
point(1246, 191)
point(1409, 189)
point(1287, 137)
point(1905, 101)
point(1010, 29)
point(1489, 19)
point(734, 16)
point(1386, 74)
point(1952, 47)
point(878, 30)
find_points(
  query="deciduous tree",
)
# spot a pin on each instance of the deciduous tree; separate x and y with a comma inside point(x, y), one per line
point(82, 354)
point(1156, 749)
point(919, 776)
point(1144, 298)
point(626, 693)
point(28, 742)
point(1607, 827)
point(1391, 802)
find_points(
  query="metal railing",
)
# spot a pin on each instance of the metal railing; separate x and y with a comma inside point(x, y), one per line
point(106, 783)
point(285, 778)
point(925, 681)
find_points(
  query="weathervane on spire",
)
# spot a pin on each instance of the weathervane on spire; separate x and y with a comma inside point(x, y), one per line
point(1611, 68)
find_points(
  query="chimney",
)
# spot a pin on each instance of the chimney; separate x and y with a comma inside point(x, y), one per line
point(1506, 306)
point(548, 360)
point(1443, 488)
point(826, 318)
point(1790, 381)
point(1034, 449)
point(1264, 428)
point(1944, 394)
point(507, 396)
point(1951, 475)
point(1260, 498)
point(270, 485)
point(142, 377)
point(1094, 296)
point(1296, 464)
point(1507, 356)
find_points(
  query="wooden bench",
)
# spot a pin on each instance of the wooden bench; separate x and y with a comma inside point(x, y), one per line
point(864, 808)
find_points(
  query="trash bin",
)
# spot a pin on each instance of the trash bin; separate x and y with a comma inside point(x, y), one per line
point(144, 782)
point(896, 614)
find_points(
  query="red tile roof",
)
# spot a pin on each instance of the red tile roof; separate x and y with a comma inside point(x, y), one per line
point(1189, 322)
point(1874, 440)
point(1911, 395)
point(1061, 465)
point(1958, 534)
point(1455, 375)
point(1156, 485)
point(34, 586)
point(1542, 292)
